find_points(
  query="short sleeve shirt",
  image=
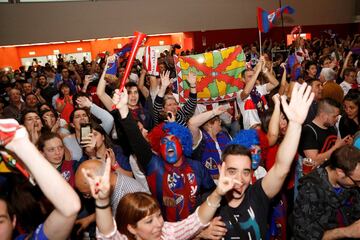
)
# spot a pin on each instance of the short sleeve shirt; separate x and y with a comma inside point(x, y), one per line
point(248, 108)
point(250, 215)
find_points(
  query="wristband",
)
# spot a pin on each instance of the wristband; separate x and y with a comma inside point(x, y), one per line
point(211, 205)
point(102, 207)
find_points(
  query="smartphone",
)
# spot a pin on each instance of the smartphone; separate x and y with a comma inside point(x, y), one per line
point(85, 130)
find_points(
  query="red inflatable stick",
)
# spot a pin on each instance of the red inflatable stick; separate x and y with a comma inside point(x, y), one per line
point(139, 38)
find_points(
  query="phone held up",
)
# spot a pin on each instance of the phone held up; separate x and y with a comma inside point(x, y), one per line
point(85, 130)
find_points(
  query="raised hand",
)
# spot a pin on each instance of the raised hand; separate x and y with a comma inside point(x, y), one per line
point(283, 65)
point(225, 183)
point(301, 99)
point(88, 141)
point(192, 78)
point(120, 101)
point(110, 154)
point(276, 99)
point(165, 79)
point(84, 102)
point(99, 185)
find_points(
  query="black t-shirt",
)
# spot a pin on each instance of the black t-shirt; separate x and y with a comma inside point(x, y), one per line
point(347, 126)
point(314, 137)
point(48, 93)
point(251, 215)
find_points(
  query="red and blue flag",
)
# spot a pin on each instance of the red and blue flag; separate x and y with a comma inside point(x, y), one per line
point(266, 19)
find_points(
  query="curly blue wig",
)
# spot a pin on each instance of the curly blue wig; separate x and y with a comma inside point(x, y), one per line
point(246, 138)
point(183, 134)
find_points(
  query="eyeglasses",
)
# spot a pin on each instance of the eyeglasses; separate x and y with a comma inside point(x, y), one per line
point(356, 182)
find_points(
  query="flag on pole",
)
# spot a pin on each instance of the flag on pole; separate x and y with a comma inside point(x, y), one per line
point(218, 74)
point(266, 19)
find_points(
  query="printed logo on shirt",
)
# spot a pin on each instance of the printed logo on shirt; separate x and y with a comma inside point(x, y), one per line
point(250, 226)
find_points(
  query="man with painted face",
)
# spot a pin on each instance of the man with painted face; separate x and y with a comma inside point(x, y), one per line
point(174, 180)
point(245, 208)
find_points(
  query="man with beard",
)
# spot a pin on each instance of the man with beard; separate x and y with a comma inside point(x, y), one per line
point(319, 138)
point(47, 91)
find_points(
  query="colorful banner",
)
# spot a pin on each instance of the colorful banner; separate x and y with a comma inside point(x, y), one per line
point(218, 74)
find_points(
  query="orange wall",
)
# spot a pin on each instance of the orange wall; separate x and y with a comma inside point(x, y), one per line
point(11, 56)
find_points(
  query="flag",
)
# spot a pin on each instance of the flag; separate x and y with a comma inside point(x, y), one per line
point(125, 49)
point(151, 61)
point(218, 74)
point(267, 19)
point(112, 66)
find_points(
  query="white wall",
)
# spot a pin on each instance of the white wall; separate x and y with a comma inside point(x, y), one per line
point(44, 22)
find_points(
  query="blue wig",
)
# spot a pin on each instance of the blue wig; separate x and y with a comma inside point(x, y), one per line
point(246, 138)
point(183, 134)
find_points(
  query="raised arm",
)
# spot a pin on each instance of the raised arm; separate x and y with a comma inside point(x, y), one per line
point(197, 121)
point(296, 111)
point(273, 130)
point(59, 223)
point(107, 121)
point(345, 64)
point(140, 146)
point(100, 191)
point(250, 85)
point(141, 84)
point(273, 82)
point(188, 110)
point(283, 84)
point(159, 99)
point(100, 90)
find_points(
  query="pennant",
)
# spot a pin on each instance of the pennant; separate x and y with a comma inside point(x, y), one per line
point(267, 19)
point(218, 74)
point(151, 61)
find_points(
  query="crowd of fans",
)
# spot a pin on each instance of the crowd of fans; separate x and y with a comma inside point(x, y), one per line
point(82, 160)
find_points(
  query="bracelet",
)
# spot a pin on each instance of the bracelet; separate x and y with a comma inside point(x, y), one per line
point(102, 207)
point(211, 205)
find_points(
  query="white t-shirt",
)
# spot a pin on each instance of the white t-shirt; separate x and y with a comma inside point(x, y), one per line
point(248, 109)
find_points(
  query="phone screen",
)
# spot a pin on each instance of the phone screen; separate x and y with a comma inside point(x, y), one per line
point(85, 130)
